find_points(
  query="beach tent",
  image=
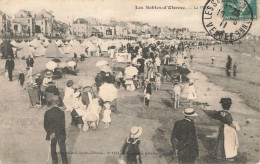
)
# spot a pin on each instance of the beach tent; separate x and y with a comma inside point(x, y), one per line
point(59, 43)
point(40, 50)
point(25, 51)
point(78, 49)
point(41, 37)
point(46, 43)
point(53, 51)
point(14, 43)
point(34, 43)
point(70, 37)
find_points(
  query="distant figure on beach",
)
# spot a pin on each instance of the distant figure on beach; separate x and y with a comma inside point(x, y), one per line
point(184, 138)
point(177, 94)
point(235, 69)
point(212, 60)
point(227, 141)
point(191, 57)
point(192, 94)
point(228, 65)
point(9, 66)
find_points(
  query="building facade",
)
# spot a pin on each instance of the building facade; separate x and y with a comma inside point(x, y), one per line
point(23, 23)
point(81, 27)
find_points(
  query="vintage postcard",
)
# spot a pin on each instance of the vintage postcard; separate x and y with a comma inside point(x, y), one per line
point(129, 81)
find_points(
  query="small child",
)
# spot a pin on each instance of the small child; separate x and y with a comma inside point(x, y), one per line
point(106, 115)
point(158, 81)
point(21, 79)
point(135, 81)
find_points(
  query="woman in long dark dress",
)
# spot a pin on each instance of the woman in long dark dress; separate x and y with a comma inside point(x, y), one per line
point(225, 117)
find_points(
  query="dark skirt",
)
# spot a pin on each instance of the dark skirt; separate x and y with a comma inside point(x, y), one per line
point(219, 152)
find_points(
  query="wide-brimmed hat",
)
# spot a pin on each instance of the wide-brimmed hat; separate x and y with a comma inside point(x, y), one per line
point(70, 83)
point(225, 101)
point(189, 112)
point(136, 131)
point(38, 75)
point(48, 74)
point(51, 83)
point(20, 71)
point(35, 85)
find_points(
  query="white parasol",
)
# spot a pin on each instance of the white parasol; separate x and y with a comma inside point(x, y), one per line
point(106, 68)
point(62, 64)
point(71, 64)
point(131, 71)
point(51, 65)
point(101, 63)
point(108, 92)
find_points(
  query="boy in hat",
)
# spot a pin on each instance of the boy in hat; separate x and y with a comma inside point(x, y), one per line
point(37, 80)
point(130, 149)
point(21, 79)
point(184, 138)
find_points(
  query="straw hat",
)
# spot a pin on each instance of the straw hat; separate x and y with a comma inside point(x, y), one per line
point(48, 74)
point(20, 71)
point(38, 75)
point(35, 85)
point(136, 131)
point(189, 112)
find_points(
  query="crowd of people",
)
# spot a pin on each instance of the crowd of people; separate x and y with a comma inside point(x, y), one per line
point(148, 68)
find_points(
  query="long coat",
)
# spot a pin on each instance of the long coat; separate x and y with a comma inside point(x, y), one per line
point(9, 65)
point(184, 138)
point(54, 122)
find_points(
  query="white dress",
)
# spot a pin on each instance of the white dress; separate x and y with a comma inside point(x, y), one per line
point(68, 98)
point(192, 94)
point(107, 117)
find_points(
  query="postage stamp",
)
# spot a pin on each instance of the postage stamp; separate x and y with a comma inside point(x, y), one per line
point(239, 9)
point(224, 30)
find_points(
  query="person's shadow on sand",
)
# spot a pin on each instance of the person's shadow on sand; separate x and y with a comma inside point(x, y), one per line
point(72, 135)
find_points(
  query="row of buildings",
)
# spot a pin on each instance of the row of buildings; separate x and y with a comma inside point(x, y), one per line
point(24, 23)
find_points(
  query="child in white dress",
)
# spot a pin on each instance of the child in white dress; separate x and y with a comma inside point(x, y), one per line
point(106, 114)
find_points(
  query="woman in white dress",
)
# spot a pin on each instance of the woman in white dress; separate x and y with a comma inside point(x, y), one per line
point(68, 97)
point(192, 94)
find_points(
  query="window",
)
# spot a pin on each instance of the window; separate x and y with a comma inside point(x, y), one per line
point(28, 20)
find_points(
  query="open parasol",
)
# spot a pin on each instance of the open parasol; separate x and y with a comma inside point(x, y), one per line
point(108, 92)
point(51, 65)
point(71, 64)
point(101, 63)
point(131, 71)
point(106, 68)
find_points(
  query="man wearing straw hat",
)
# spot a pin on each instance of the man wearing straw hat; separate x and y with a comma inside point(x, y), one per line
point(54, 125)
point(184, 138)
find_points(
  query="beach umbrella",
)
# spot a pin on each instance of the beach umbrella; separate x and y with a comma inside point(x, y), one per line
point(56, 60)
point(131, 71)
point(71, 64)
point(108, 92)
point(101, 63)
point(62, 64)
point(106, 68)
point(51, 65)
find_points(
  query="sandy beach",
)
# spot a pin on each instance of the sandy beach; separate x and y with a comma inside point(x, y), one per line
point(17, 119)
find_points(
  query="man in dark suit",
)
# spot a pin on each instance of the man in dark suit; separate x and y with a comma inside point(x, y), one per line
point(54, 125)
point(184, 138)
point(29, 61)
point(9, 66)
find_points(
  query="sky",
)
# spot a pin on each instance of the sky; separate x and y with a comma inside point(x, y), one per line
point(124, 10)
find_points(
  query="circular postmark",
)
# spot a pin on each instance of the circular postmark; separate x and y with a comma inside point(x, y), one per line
point(227, 20)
